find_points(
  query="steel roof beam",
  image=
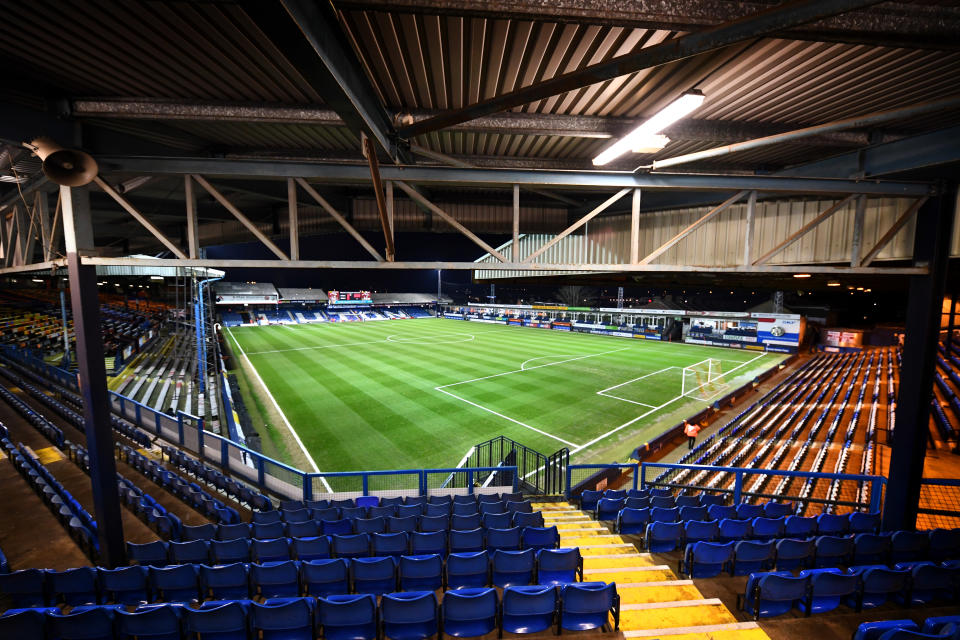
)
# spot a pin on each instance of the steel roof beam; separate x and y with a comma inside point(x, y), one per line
point(322, 53)
point(359, 174)
point(893, 23)
point(784, 16)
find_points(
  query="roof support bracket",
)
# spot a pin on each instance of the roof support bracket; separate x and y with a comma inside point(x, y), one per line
point(244, 220)
point(656, 253)
point(339, 218)
point(139, 217)
point(576, 225)
point(805, 229)
point(891, 232)
point(371, 153)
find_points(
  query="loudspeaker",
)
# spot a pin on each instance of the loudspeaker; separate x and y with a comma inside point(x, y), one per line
point(67, 167)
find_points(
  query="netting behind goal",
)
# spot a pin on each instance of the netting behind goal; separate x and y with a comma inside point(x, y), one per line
point(703, 379)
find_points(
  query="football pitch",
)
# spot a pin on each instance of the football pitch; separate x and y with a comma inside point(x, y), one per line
point(411, 394)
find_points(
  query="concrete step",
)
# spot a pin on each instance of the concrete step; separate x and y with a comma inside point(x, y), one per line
point(729, 631)
point(630, 575)
point(668, 615)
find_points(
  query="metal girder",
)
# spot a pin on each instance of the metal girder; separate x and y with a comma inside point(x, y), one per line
point(635, 227)
point(378, 195)
point(244, 220)
point(358, 174)
point(506, 123)
point(893, 23)
point(892, 231)
point(751, 225)
point(504, 266)
point(322, 53)
point(771, 20)
point(804, 230)
point(339, 218)
point(293, 213)
point(924, 150)
point(139, 217)
point(415, 195)
point(656, 253)
point(42, 204)
point(193, 224)
point(603, 206)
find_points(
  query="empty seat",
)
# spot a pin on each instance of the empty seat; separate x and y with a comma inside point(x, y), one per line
point(200, 532)
point(877, 585)
point(308, 529)
point(465, 508)
point(608, 508)
point(930, 583)
point(428, 542)
point(73, 587)
point(700, 531)
point(374, 575)
point(559, 566)
point(663, 502)
point(312, 548)
point(534, 519)
point(506, 539)
point(832, 551)
point(706, 559)
point(464, 541)
point(589, 500)
point(277, 580)
point(749, 511)
point(409, 511)
point(734, 530)
point(828, 587)
point(637, 503)
point(411, 615)
point(353, 513)
point(688, 501)
point(175, 584)
point(332, 528)
point(269, 530)
point(227, 582)
point(793, 553)
point(266, 517)
point(95, 623)
point(24, 623)
point(778, 509)
point(234, 531)
point(124, 585)
point(468, 613)
point(387, 511)
point(512, 568)
point(320, 578)
point(230, 551)
point(660, 537)
point(871, 548)
point(660, 514)
point(589, 605)
point(290, 619)
point(773, 594)
point(465, 523)
point(944, 544)
point(348, 617)
point(864, 522)
point(150, 553)
point(799, 527)
point(369, 525)
point(228, 620)
point(529, 609)
point(497, 520)
point(540, 537)
point(694, 513)
point(434, 523)
point(266, 551)
point(421, 572)
point(874, 630)
point(470, 569)
point(751, 556)
point(389, 544)
point(768, 528)
point(829, 524)
point(151, 623)
point(632, 521)
point(722, 512)
point(351, 546)
point(906, 546)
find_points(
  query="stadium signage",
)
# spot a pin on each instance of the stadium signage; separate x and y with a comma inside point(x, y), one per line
point(349, 297)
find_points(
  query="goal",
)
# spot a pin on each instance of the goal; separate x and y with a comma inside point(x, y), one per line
point(703, 379)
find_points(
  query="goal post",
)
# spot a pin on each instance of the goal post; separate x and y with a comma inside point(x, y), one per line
point(703, 379)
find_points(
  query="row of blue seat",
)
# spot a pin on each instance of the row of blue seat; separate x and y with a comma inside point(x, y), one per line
point(52, 432)
point(934, 627)
point(377, 501)
point(344, 546)
point(130, 586)
point(821, 590)
point(71, 513)
point(434, 507)
point(634, 521)
point(409, 524)
point(399, 616)
point(709, 559)
point(215, 479)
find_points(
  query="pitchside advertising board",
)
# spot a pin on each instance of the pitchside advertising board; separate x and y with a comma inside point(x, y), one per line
point(349, 297)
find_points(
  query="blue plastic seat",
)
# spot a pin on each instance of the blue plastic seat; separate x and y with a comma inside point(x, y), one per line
point(331, 513)
point(94, 623)
point(540, 537)
point(512, 568)
point(660, 537)
point(831, 524)
point(768, 528)
point(266, 517)
point(661, 492)
point(412, 615)
point(533, 519)
point(389, 544)
point(944, 544)
point(700, 531)
point(936, 623)
point(382, 511)
point(320, 578)
point(125, 585)
point(230, 551)
point(828, 587)
point(312, 548)
point(636, 503)
point(227, 621)
point(290, 619)
point(710, 499)
point(773, 594)
point(346, 503)
point(930, 583)
point(529, 609)
point(348, 617)
point(874, 630)
point(951, 633)
point(559, 566)
point(307, 529)
point(149, 553)
point(374, 575)
point(832, 551)
point(859, 522)
point(466, 522)
point(722, 512)
point(747, 511)
point(706, 559)
point(199, 532)
point(491, 507)
point(23, 623)
point(73, 586)
point(406, 524)
point(240, 530)
point(468, 613)
point(434, 523)
point(24, 588)
point(750, 556)
point(877, 585)
point(151, 623)
point(663, 502)
point(276, 580)
point(519, 506)
point(434, 510)
point(447, 499)
point(225, 582)
point(353, 513)
point(870, 548)
point(334, 527)
point(632, 521)
point(907, 546)
point(778, 509)
point(608, 508)
point(589, 500)
point(468, 569)
point(175, 584)
point(367, 501)
point(465, 508)
point(694, 513)
point(428, 542)
point(734, 530)
point(191, 552)
point(267, 551)
point(661, 514)
point(466, 540)
point(793, 553)
point(351, 546)
point(496, 520)
point(800, 527)
point(688, 501)
point(268, 531)
point(421, 572)
point(638, 493)
point(369, 525)
point(588, 605)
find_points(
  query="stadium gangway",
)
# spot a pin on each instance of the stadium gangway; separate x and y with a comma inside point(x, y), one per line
point(876, 483)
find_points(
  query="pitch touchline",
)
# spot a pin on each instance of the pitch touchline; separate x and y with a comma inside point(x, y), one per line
point(310, 459)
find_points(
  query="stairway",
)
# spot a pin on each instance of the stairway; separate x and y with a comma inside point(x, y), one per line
point(654, 603)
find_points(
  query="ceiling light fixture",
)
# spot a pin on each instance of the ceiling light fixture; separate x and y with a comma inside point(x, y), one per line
point(833, 283)
point(645, 137)
point(801, 275)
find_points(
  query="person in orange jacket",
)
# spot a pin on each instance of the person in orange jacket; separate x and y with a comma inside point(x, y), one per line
point(691, 431)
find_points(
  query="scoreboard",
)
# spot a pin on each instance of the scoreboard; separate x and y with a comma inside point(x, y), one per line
point(349, 297)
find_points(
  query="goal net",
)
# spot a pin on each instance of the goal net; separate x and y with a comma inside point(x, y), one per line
point(703, 379)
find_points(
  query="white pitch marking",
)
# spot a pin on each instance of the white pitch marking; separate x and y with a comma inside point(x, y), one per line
point(523, 365)
point(326, 346)
point(549, 364)
point(310, 459)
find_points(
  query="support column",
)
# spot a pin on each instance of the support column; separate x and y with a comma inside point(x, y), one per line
point(193, 236)
point(751, 223)
point(924, 309)
point(858, 218)
point(78, 236)
point(635, 228)
point(515, 247)
point(294, 223)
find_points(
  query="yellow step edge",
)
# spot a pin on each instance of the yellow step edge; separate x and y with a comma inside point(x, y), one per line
point(652, 567)
point(606, 549)
point(574, 541)
point(618, 561)
point(634, 578)
point(745, 630)
point(667, 615)
point(658, 592)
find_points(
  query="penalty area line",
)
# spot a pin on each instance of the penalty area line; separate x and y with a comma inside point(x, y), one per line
point(296, 437)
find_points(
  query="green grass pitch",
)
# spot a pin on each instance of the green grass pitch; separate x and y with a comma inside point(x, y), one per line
point(419, 393)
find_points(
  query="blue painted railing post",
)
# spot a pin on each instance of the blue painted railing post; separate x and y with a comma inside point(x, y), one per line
point(156, 423)
point(737, 486)
point(366, 484)
point(876, 494)
point(643, 475)
point(515, 481)
point(225, 453)
point(136, 412)
point(180, 428)
point(307, 487)
point(200, 446)
point(260, 473)
point(636, 476)
point(470, 482)
point(566, 484)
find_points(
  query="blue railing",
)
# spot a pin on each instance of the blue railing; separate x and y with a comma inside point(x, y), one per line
point(592, 476)
point(876, 482)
